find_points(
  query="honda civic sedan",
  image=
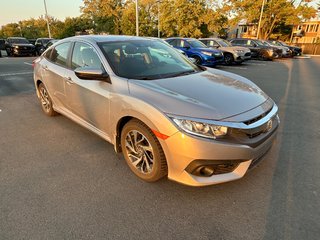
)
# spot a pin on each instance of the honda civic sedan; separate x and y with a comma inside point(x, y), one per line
point(168, 117)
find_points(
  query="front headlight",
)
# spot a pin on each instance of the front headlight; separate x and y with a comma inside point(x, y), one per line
point(206, 53)
point(200, 129)
point(239, 51)
point(16, 47)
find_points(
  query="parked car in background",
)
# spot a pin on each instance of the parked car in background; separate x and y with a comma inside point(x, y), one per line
point(200, 52)
point(232, 54)
point(51, 42)
point(257, 48)
point(18, 46)
point(296, 51)
point(285, 51)
point(169, 117)
point(2, 46)
point(280, 51)
point(32, 41)
point(40, 45)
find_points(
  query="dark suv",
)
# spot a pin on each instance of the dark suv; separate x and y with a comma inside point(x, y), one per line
point(41, 44)
point(2, 46)
point(200, 52)
point(258, 49)
point(18, 46)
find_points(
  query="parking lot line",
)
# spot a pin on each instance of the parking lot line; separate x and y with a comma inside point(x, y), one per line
point(233, 67)
point(255, 64)
point(14, 74)
point(28, 63)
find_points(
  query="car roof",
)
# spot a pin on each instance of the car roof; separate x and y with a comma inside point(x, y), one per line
point(16, 38)
point(183, 38)
point(212, 38)
point(106, 38)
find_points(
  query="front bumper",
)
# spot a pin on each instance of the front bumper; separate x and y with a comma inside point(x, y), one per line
point(23, 51)
point(212, 61)
point(186, 153)
point(240, 57)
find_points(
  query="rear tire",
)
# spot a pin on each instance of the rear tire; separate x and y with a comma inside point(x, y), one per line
point(46, 102)
point(143, 152)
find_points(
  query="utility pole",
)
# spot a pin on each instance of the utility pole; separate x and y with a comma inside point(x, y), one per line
point(137, 19)
point(158, 18)
point(261, 13)
point(48, 26)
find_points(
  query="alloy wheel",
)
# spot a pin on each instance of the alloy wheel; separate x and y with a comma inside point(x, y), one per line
point(44, 98)
point(139, 151)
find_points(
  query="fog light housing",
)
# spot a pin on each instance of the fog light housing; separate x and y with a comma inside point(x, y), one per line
point(208, 168)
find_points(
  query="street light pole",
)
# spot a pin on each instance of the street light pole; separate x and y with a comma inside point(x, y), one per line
point(261, 13)
point(159, 19)
point(137, 19)
point(48, 26)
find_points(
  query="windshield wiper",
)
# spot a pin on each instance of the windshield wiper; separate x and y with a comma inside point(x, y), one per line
point(180, 73)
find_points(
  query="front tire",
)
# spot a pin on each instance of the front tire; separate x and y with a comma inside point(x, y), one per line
point(228, 58)
point(46, 102)
point(142, 151)
point(198, 60)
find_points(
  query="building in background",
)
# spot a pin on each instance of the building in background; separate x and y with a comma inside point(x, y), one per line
point(307, 32)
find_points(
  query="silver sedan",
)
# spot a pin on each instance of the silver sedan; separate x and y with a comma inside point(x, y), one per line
point(169, 117)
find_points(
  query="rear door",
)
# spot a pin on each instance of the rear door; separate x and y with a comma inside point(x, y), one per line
point(53, 71)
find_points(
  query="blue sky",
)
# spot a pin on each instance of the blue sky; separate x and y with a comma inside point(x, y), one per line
point(15, 10)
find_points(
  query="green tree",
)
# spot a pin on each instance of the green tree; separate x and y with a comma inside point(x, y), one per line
point(105, 9)
point(182, 17)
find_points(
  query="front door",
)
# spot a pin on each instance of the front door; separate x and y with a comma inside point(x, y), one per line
point(88, 99)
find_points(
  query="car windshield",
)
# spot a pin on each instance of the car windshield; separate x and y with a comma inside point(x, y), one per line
point(260, 43)
point(45, 41)
point(224, 43)
point(275, 43)
point(146, 60)
point(266, 43)
point(196, 44)
point(18, 40)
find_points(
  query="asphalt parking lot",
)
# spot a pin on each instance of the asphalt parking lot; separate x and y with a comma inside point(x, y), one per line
point(60, 181)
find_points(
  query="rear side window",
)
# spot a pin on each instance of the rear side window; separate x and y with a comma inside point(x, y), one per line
point(184, 44)
point(173, 42)
point(59, 54)
point(84, 56)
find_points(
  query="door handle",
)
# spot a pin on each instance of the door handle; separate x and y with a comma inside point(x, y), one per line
point(69, 80)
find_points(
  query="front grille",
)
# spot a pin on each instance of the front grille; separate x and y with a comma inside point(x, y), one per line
point(253, 120)
point(248, 54)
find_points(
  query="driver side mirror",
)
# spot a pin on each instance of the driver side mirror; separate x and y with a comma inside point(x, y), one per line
point(91, 73)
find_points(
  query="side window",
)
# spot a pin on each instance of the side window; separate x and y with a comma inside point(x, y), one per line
point(251, 43)
point(235, 42)
point(213, 44)
point(173, 42)
point(184, 44)
point(59, 54)
point(84, 56)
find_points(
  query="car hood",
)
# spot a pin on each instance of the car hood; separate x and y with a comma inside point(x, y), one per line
point(212, 94)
